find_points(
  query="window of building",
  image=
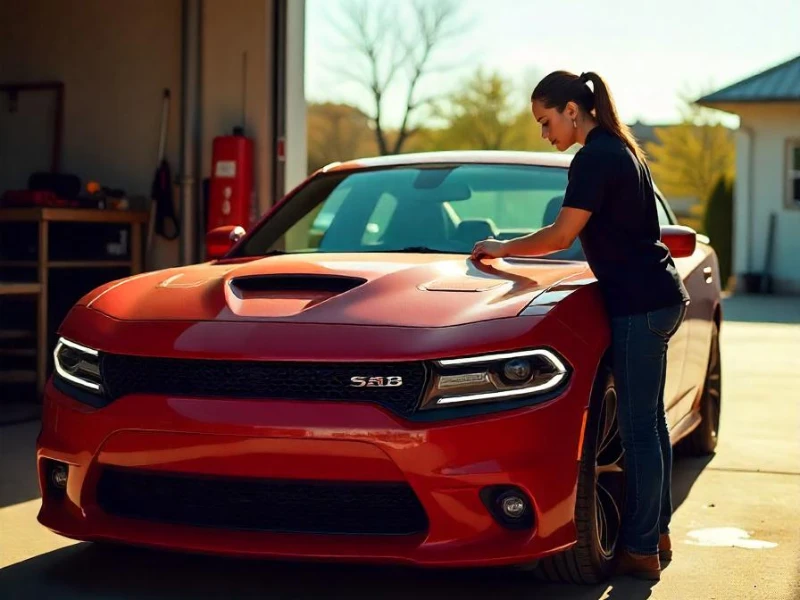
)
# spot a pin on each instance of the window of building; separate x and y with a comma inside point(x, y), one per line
point(793, 175)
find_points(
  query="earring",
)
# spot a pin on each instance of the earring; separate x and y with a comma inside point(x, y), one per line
point(574, 124)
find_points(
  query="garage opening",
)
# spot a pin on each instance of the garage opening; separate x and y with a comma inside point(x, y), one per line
point(110, 115)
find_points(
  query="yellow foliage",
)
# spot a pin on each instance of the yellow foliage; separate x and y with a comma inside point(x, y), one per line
point(689, 159)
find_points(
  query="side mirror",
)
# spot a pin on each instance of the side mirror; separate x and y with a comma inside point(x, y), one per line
point(221, 239)
point(680, 240)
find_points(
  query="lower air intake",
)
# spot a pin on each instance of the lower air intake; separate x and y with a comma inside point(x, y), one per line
point(284, 506)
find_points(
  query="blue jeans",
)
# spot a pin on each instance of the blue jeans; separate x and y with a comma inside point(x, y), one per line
point(639, 345)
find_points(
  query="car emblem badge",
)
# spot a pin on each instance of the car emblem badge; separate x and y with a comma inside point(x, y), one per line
point(390, 381)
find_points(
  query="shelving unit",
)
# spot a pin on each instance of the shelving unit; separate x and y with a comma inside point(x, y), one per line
point(18, 375)
point(39, 290)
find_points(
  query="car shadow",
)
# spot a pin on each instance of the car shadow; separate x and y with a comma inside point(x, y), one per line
point(685, 471)
point(85, 570)
point(97, 571)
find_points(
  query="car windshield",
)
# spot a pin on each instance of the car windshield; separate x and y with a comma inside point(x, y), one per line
point(421, 208)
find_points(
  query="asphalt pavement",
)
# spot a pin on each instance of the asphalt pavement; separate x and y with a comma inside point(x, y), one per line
point(736, 530)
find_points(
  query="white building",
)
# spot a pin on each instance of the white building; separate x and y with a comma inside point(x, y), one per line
point(766, 219)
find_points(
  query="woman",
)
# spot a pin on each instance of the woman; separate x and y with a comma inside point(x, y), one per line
point(610, 205)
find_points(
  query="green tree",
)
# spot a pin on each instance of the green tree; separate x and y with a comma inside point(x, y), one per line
point(336, 132)
point(528, 133)
point(718, 224)
point(487, 113)
point(690, 157)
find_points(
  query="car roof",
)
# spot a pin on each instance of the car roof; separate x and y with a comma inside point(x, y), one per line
point(544, 159)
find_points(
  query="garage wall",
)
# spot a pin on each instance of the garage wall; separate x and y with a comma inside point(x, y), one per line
point(227, 34)
point(768, 128)
point(114, 58)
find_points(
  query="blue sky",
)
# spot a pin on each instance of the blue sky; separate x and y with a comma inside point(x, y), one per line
point(648, 51)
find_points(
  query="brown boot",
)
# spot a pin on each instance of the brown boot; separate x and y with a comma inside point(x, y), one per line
point(638, 565)
point(664, 548)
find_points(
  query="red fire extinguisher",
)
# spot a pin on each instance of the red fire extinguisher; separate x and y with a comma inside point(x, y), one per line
point(231, 184)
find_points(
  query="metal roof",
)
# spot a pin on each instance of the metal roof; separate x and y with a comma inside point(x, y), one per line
point(778, 83)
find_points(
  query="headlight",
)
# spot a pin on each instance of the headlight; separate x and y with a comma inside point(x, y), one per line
point(78, 365)
point(494, 377)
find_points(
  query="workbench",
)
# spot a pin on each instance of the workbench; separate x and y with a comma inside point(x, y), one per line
point(43, 265)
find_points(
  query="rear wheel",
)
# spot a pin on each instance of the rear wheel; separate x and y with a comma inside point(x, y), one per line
point(703, 440)
point(601, 492)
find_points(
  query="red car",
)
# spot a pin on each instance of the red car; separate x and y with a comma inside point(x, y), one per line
point(344, 382)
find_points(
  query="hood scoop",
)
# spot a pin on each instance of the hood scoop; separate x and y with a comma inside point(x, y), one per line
point(284, 294)
point(295, 282)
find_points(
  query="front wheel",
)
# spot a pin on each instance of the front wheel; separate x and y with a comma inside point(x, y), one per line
point(601, 493)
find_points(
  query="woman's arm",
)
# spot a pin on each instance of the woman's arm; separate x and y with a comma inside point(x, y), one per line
point(553, 238)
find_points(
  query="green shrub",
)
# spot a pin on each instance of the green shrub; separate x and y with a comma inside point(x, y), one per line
point(718, 224)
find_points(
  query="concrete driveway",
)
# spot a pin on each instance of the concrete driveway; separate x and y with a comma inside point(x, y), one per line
point(736, 528)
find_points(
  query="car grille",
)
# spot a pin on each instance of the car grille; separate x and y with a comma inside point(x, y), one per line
point(284, 506)
point(123, 375)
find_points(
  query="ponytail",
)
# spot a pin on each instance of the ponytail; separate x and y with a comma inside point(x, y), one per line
point(606, 113)
point(560, 87)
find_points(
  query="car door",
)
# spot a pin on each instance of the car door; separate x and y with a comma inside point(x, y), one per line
point(675, 389)
point(702, 283)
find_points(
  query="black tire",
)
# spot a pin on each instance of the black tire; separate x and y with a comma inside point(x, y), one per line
point(703, 440)
point(601, 491)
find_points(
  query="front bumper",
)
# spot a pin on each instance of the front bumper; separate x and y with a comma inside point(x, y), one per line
point(446, 463)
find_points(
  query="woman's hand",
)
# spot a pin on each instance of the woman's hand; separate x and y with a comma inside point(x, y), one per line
point(489, 249)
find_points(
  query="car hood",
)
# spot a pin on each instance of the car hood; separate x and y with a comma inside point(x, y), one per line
point(411, 290)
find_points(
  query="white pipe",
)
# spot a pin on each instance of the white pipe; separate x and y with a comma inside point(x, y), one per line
point(750, 201)
point(190, 207)
point(296, 151)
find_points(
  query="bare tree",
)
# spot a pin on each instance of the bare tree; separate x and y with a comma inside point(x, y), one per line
point(390, 49)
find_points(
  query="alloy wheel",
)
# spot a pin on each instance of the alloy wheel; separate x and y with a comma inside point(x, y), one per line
point(609, 476)
point(714, 389)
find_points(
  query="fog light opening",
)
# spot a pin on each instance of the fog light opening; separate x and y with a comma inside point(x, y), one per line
point(58, 476)
point(513, 506)
point(509, 506)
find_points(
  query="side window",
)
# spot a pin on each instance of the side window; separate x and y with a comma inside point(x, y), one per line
point(664, 217)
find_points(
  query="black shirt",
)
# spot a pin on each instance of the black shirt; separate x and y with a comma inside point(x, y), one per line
point(621, 240)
